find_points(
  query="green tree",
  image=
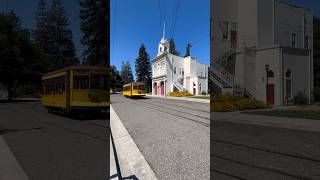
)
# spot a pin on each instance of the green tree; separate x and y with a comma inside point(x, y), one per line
point(188, 50)
point(21, 61)
point(40, 34)
point(115, 78)
point(60, 43)
point(143, 67)
point(94, 15)
point(172, 48)
point(126, 73)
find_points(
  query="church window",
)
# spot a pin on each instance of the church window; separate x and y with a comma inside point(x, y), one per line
point(160, 49)
point(225, 30)
point(288, 84)
point(270, 74)
point(175, 70)
point(306, 42)
point(165, 49)
point(293, 40)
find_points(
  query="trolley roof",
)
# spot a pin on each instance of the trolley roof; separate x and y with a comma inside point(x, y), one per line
point(79, 67)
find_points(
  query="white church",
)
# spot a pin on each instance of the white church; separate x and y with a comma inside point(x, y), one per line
point(262, 49)
point(175, 73)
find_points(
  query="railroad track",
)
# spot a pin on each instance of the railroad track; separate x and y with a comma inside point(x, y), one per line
point(176, 105)
point(165, 109)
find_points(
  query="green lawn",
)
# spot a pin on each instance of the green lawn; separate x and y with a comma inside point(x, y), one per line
point(199, 97)
point(305, 114)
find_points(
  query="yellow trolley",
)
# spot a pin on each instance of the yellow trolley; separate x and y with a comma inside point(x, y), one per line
point(134, 89)
point(76, 88)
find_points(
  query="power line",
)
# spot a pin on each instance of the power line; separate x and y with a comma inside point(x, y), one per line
point(176, 16)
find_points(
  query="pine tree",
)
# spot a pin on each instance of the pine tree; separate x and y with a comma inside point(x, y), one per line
point(115, 78)
point(126, 72)
point(40, 34)
point(143, 67)
point(21, 61)
point(188, 50)
point(172, 48)
point(60, 37)
point(94, 15)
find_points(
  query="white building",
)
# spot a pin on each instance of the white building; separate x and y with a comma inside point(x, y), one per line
point(249, 37)
point(174, 73)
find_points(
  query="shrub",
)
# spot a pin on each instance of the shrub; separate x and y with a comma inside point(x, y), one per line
point(228, 103)
point(180, 94)
point(300, 99)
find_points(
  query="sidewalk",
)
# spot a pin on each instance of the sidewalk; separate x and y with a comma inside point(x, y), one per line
point(273, 121)
point(9, 167)
point(181, 98)
point(132, 163)
point(113, 167)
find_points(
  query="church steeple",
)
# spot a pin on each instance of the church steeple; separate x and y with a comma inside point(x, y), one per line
point(164, 30)
point(163, 45)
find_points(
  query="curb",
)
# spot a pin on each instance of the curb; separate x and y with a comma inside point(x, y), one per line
point(132, 162)
point(114, 175)
point(9, 166)
point(181, 98)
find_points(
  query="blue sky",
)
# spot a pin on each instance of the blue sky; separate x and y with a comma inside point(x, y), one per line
point(310, 4)
point(25, 9)
point(136, 22)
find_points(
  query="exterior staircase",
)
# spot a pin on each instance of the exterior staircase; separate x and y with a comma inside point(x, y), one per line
point(178, 85)
point(220, 76)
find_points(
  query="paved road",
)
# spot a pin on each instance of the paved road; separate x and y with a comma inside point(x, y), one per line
point(52, 147)
point(244, 151)
point(172, 135)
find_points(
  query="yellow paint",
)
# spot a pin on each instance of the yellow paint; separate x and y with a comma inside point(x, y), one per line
point(79, 98)
point(132, 92)
point(54, 101)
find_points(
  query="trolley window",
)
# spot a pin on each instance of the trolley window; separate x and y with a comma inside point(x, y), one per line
point(80, 82)
point(141, 87)
point(135, 87)
point(95, 81)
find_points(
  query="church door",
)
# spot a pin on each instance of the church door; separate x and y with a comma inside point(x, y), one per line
point(270, 95)
point(194, 91)
point(162, 88)
point(155, 89)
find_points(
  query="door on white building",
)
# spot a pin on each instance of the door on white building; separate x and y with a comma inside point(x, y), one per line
point(155, 89)
point(162, 88)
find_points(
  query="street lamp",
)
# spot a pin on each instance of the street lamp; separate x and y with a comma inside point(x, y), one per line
point(267, 71)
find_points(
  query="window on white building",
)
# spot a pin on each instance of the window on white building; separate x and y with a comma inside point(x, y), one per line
point(175, 70)
point(293, 40)
point(288, 84)
point(225, 30)
point(233, 35)
point(306, 42)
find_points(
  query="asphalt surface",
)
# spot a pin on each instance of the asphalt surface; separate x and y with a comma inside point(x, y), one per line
point(243, 151)
point(52, 147)
point(173, 135)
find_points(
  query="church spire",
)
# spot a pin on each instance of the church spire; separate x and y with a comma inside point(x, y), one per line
point(164, 30)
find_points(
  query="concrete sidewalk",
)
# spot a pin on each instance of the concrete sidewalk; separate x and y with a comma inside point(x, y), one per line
point(132, 163)
point(181, 98)
point(273, 121)
point(114, 175)
point(9, 167)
